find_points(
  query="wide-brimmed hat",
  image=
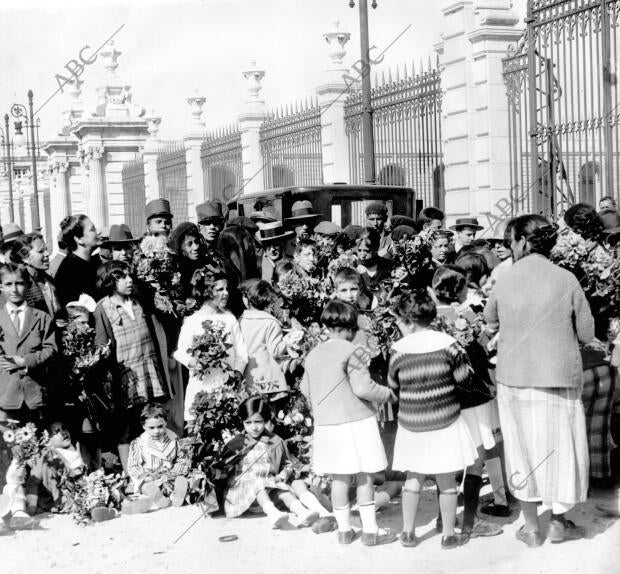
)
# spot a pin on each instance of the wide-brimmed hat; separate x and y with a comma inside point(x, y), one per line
point(301, 211)
point(328, 228)
point(209, 211)
point(119, 234)
point(466, 222)
point(157, 207)
point(272, 233)
point(262, 216)
point(10, 232)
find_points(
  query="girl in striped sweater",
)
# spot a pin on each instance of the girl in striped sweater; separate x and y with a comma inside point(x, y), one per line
point(432, 438)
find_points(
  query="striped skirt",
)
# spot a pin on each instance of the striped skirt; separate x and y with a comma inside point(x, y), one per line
point(597, 397)
point(545, 443)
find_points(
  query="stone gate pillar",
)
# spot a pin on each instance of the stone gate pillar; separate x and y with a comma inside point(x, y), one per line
point(476, 36)
point(149, 157)
point(250, 122)
point(332, 95)
point(193, 144)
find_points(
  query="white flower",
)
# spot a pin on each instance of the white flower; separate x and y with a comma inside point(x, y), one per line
point(281, 415)
point(460, 324)
point(288, 421)
point(8, 436)
point(308, 422)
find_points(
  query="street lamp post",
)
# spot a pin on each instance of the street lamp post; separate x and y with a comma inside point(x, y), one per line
point(20, 111)
point(6, 136)
point(367, 127)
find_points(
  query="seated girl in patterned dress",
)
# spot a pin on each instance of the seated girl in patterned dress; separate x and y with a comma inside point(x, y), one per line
point(260, 470)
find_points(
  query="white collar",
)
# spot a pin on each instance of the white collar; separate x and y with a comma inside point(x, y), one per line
point(423, 342)
point(11, 307)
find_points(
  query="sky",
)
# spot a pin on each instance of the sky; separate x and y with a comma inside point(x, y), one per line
point(170, 48)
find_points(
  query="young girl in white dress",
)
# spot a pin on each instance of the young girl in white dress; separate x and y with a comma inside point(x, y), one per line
point(346, 433)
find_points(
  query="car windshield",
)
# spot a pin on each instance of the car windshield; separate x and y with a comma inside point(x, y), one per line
point(271, 207)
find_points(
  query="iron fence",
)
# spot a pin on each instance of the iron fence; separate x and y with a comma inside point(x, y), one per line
point(290, 144)
point(563, 106)
point(222, 164)
point(407, 132)
point(134, 195)
point(172, 179)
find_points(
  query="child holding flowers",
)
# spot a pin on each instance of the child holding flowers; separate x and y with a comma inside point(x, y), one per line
point(203, 332)
point(260, 471)
point(346, 434)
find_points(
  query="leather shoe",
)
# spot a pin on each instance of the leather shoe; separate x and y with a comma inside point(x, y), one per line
point(346, 537)
point(484, 528)
point(376, 539)
point(563, 530)
point(408, 539)
point(532, 538)
point(324, 524)
point(448, 542)
point(492, 509)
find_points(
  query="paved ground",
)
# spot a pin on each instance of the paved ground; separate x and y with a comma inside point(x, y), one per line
point(154, 543)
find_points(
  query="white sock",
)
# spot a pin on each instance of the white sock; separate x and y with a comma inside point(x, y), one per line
point(368, 518)
point(313, 503)
point(494, 470)
point(343, 518)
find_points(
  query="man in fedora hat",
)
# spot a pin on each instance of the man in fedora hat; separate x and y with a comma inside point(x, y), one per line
point(158, 217)
point(261, 217)
point(272, 237)
point(210, 222)
point(376, 218)
point(121, 243)
point(302, 219)
point(465, 229)
point(10, 232)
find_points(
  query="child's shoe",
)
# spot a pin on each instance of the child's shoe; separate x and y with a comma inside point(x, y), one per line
point(346, 537)
point(181, 485)
point(136, 505)
point(377, 538)
point(21, 521)
point(152, 490)
point(324, 524)
point(307, 518)
point(408, 539)
point(103, 513)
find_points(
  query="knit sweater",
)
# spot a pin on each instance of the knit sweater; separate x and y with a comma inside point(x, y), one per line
point(338, 384)
point(427, 367)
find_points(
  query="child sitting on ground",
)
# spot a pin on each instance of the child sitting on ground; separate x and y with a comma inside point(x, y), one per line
point(264, 340)
point(260, 471)
point(156, 464)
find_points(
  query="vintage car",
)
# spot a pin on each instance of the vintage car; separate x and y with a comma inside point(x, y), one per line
point(341, 203)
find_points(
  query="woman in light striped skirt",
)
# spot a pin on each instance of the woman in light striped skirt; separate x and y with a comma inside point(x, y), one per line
point(542, 314)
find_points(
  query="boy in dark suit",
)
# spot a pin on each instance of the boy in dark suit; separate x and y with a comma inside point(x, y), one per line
point(27, 344)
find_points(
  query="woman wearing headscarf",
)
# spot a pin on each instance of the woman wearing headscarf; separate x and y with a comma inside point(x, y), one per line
point(542, 315)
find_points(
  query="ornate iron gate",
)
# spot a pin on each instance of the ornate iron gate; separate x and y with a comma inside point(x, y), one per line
point(563, 106)
point(172, 178)
point(407, 128)
point(290, 142)
point(222, 163)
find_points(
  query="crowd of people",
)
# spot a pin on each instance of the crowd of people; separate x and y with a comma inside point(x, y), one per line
point(297, 369)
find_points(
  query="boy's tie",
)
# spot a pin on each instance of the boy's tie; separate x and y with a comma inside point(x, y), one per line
point(17, 320)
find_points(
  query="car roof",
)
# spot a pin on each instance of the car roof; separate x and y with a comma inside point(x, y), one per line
point(335, 187)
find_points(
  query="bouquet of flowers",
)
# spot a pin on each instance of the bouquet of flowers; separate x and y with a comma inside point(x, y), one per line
point(83, 494)
point(210, 350)
point(414, 255)
point(83, 357)
point(304, 297)
point(345, 260)
point(24, 443)
point(570, 249)
point(466, 327)
point(295, 425)
point(157, 267)
point(300, 342)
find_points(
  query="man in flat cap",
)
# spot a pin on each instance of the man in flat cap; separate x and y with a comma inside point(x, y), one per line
point(158, 217)
point(325, 235)
point(376, 218)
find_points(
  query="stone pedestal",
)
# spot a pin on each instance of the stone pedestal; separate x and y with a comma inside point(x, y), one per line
point(476, 35)
point(331, 96)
